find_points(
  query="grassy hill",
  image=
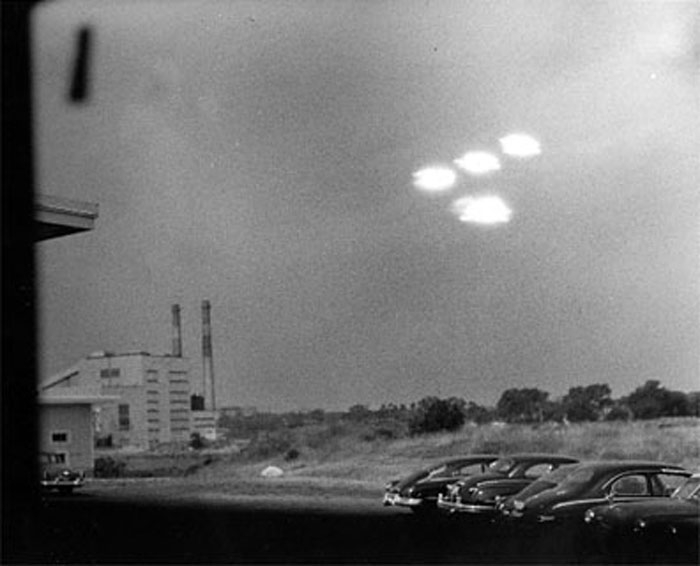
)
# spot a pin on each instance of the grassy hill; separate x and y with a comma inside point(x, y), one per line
point(347, 454)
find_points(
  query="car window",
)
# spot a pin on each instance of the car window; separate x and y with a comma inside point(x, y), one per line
point(667, 483)
point(630, 485)
point(690, 489)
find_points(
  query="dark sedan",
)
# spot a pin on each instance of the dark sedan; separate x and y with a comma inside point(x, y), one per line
point(419, 491)
point(55, 475)
point(597, 483)
point(557, 514)
point(550, 480)
point(662, 527)
point(479, 495)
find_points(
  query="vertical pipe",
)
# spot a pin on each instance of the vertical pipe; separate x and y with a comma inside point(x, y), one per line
point(207, 358)
point(177, 332)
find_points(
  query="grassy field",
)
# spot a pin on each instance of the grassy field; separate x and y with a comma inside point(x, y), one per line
point(342, 457)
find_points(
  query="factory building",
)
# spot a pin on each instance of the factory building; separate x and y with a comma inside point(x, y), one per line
point(153, 393)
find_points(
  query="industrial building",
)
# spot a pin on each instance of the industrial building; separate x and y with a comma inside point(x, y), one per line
point(156, 402)
point(133, 399)
point(153, 393)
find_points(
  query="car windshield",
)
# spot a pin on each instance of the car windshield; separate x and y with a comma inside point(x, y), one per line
point(548, 481)
point(690, 489)
point(440, 470)
point(577, 478)
point(501, 466)
point(556, 476)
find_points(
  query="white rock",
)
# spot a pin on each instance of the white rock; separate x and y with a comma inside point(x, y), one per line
point(271, 472)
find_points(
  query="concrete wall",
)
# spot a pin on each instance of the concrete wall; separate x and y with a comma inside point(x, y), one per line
point(156, 389)
point(76, 421)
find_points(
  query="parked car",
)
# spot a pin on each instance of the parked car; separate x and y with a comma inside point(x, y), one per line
point(419, 491)
point(548, 481)
point(55, 475)
point(554, 518)
point(479, 495)
point(663, 527)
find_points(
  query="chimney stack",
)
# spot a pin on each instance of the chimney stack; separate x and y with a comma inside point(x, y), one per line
point(177, 332)
point(207, 358)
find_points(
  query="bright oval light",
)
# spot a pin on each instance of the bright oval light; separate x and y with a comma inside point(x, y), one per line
point(478, 162)
point(434, 179)
point(482, 210)
point(520, 145)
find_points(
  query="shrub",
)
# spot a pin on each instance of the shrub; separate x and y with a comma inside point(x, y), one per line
point(269, 444)
point(196, 441)
point(434, 415)
point(292, 454)
point(109, 468)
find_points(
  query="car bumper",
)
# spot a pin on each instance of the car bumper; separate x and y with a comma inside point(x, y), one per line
point(400, 501)
point(62, 483)
point(460, 507)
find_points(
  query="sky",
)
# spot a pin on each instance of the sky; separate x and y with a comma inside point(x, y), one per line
point(333, 178)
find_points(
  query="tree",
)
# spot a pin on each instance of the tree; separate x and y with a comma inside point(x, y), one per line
point(587, 403)
point(619, 411)
point(694, 403)
point(359, 413)
point(432, 415)
point(651, 401)
point(522, 405)
point(477, 414)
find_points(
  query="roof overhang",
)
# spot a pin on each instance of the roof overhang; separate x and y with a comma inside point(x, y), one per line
point(77, 399)
point(55, 217)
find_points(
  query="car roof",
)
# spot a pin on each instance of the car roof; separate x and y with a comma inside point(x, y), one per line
point(604, 465)
point(471, 457)
point(527, 457)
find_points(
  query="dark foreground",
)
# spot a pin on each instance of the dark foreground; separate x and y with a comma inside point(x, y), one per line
point(88, 529)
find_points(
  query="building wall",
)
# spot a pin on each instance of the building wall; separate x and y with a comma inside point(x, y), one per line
point(155, 397)
point(167, 398)
point(204, 423)
point(74, 423)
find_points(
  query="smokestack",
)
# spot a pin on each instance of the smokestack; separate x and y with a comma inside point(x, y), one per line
point(207, 358)
point(177, 332)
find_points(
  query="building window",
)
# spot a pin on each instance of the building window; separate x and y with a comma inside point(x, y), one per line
point(110, 372)
point(124, 421)
point(60, 458)
point(59, 437)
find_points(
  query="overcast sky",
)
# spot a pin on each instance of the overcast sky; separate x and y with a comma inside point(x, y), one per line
point(262, 155)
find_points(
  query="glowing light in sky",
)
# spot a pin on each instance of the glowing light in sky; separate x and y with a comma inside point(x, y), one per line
point(478, 162)
point(482, 210)
point(520, 145)
point(434, 179)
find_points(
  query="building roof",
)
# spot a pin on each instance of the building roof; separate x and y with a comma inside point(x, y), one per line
point(106, 354)
point(77, 399)
point(57, 216)
point(59, 377)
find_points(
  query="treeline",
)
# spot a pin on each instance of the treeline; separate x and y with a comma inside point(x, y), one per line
point(516, 405)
